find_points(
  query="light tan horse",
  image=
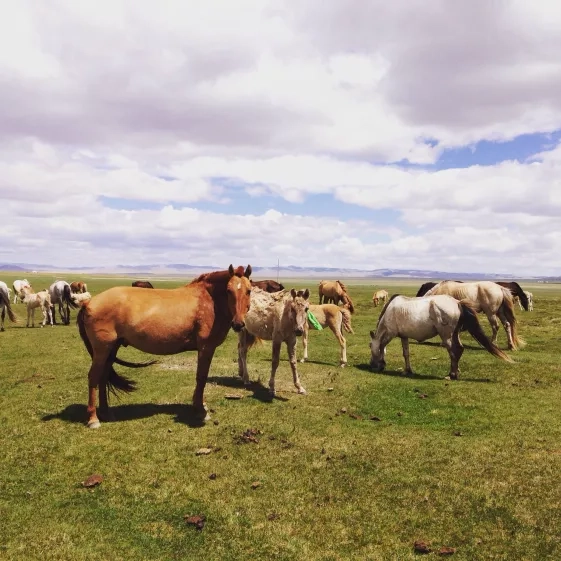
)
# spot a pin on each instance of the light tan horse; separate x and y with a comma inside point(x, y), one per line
point(194, 317)
point(380, 296)
point(334, 317)
point(487, 297)
point(40, 300)
point(422, 319)
point(278, 317)
point(335, 292)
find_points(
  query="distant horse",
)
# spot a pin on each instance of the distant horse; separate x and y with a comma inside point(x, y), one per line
point(334, 317)
point(41, 300)
point(78, 287)
point(490, 298)
point(142, 284)
point(268, 285)
point(5, 305)
point(61, 294)
point(422, 319)
point(194, 317)
point(380, 296)
point(18, 286)
point(530, 297)
point(278, 317)
point(335, 292)
point(81, 298)
point(514, 287)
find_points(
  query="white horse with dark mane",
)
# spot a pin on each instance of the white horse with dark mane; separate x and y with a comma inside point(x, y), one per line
point(278, 317)
point(424, 318)
point(61, 294)
point(487, 297)
point(336, 318)
point(5, 305)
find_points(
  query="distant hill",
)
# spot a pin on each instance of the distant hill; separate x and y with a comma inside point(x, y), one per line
point(290, 271)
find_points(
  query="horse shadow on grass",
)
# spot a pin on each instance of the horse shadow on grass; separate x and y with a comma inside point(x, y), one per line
point(183, 413)
point(435, 344)
point(416, 376)
point(260, 391)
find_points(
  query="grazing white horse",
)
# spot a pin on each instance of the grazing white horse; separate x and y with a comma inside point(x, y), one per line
point(334, 317)
point(41, 300)
point(422, 319)
point(530, 297)
point(19, 286)
point(380, 296)
point(5, 305)
point(487, 297)
point(61, 294)
point(278, 317)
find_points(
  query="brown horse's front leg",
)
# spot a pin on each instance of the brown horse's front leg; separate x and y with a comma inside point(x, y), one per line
point(203, 366)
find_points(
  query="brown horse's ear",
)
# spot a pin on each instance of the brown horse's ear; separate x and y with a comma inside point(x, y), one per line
point(231, 270)
point(372, 334)
point(247, 271)
point(293, 293)
point(306, 294)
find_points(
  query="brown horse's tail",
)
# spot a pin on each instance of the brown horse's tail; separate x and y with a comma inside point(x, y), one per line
point(6, 301)
point(516, 290)
point(507, 307)
point(82, 329)
point(468, 320)
point(346, 319)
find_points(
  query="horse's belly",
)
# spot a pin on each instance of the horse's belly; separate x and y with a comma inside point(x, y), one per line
point(260, 327)
point(419, 332)
point(160, 342)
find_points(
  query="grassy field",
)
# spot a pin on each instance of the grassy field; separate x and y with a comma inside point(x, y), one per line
point(360, 468)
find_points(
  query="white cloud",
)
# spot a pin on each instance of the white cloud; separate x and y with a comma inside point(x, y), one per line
point(127, 101)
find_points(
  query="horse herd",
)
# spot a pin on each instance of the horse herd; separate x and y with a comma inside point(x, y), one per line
point(199, 315)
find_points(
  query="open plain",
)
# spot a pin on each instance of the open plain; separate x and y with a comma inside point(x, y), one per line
point(361, 468)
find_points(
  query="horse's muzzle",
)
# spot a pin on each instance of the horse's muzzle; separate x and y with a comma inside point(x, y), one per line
point(237, 326)
point(299, 332)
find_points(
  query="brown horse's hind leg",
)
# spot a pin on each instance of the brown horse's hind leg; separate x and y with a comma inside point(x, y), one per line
point(95, 376)
point(203, 366)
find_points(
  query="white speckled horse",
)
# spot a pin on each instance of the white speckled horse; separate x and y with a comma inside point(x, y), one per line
point(19, 286)
point(422, 319)
point(278, 317)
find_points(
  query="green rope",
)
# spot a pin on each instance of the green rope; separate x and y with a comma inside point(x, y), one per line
point(313, 321)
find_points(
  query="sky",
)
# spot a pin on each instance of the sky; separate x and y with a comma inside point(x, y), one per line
point(351, 133)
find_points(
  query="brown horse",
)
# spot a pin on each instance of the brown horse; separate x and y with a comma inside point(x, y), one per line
point(268, 285)
point(78, 287)
point(335, 292)
point(142, 284)
point(194, 317)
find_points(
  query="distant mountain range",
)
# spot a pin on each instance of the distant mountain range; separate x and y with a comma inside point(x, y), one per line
point(290, 271)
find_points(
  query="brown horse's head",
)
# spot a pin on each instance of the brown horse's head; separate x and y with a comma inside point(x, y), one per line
point(298, 309)
point(239, 293)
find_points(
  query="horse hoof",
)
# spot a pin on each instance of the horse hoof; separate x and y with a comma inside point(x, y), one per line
point(94, 424)
point(302, 391)
point(302, 360)
point(343, 364)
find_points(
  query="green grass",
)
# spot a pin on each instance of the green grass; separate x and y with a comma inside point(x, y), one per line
point(474, 466)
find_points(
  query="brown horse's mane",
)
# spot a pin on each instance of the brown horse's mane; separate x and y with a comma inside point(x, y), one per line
point(342, 285)
point(218, 276)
